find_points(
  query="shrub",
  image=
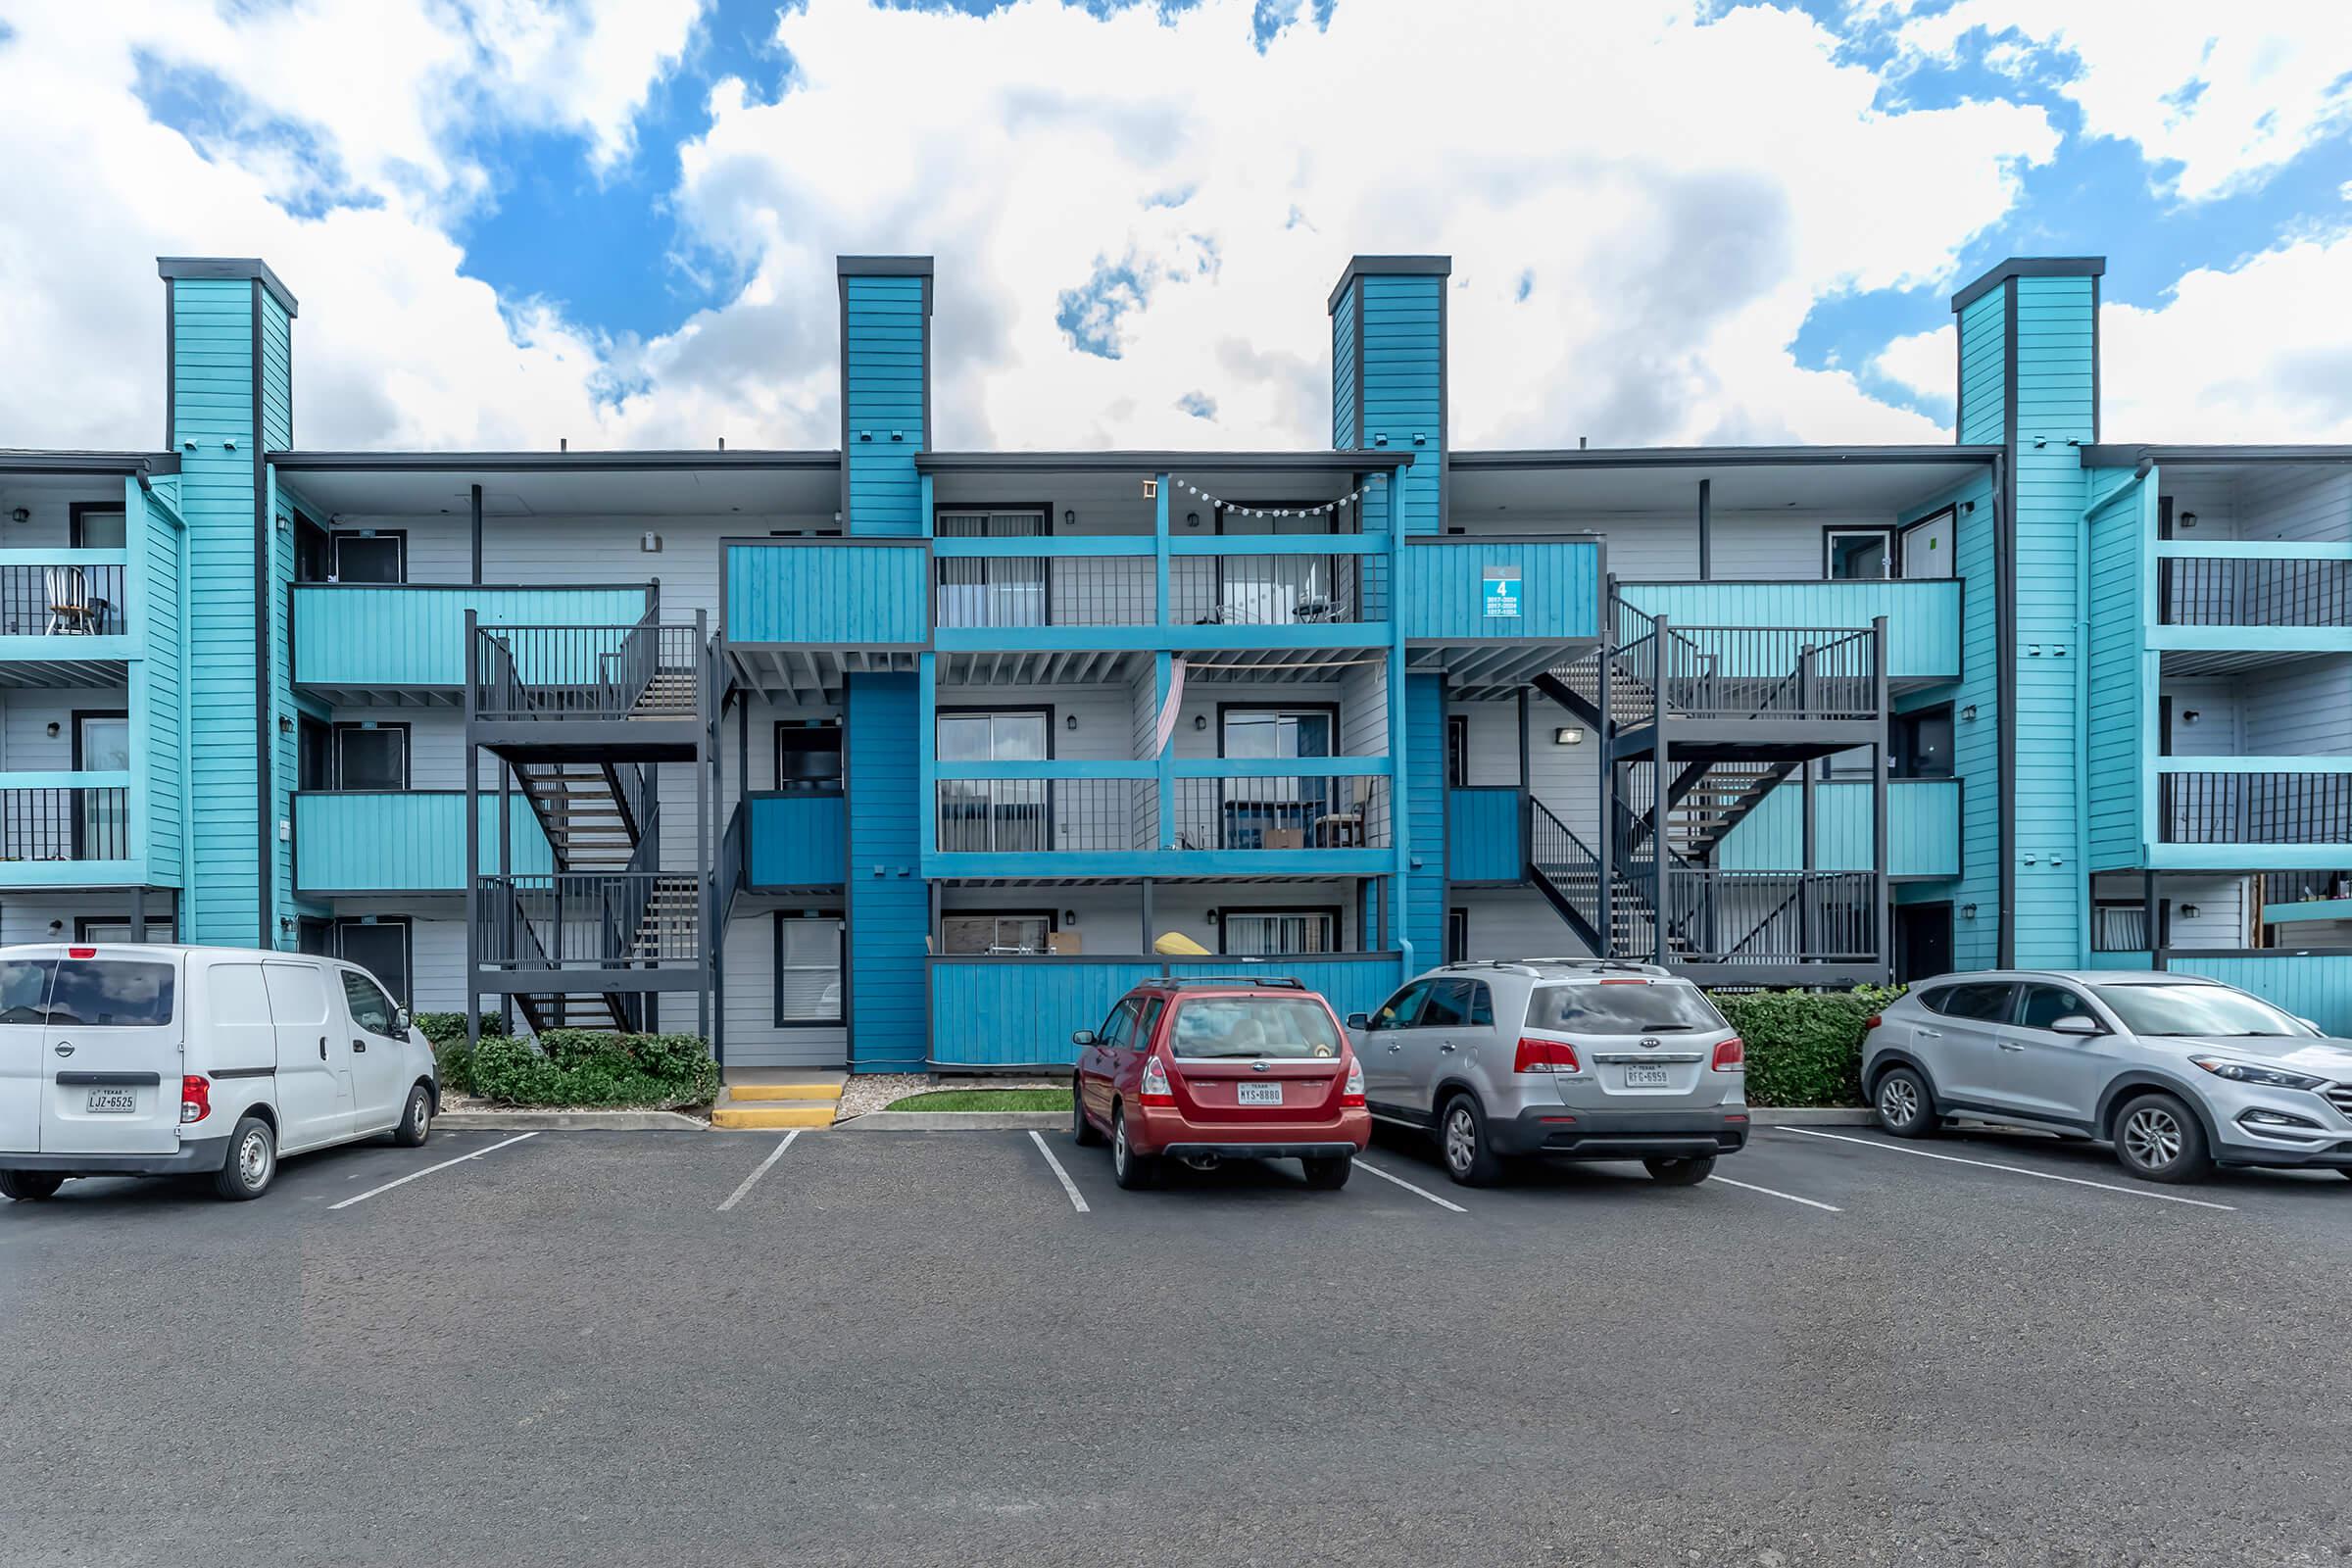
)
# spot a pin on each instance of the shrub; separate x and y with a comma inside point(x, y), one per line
point(582, 1067)
point(453, 1058)
point(1804, 1048)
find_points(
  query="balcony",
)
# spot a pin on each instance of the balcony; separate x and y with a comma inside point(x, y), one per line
point(1923, 615)
point(2216, 599)
point(2251, 814)
point(1923, 829)
point(68, 830)
point(63, 617)
point(1323, 817)
point(627, 693)
point(404, 644)
point(797, 839)
point(616, 932)
point(403, 841)
point(1483, 833)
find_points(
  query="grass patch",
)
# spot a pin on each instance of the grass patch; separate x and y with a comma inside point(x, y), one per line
point(986, 1099)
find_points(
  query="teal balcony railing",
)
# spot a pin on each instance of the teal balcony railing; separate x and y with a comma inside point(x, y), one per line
point(1923, 829)
point(1476, 588)
point(68, 829)
point(2251, 814)
point(1482, 834)
point(403, 841)
point(412, 635)
point(1923, 615)
point(795, 839)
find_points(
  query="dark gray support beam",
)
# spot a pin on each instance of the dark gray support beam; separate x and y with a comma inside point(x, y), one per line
point(708, 936)
point(473, 853)
point(2152, 906)
point(478, 537)
point(1706, 530)
point(1881, 757)
point(1146, 947)
point(1604, 816)
point(1660, 846)
point(138, 915)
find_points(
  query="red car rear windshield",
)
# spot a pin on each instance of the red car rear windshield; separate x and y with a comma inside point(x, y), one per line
point(1254, 1026)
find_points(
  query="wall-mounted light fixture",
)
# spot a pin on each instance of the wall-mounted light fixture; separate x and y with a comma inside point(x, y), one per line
point(2188, 911)
point(55, 926)
point(1069, 917)
point(1069, 518)
point(1199, 721)
point(1069, 722)
point(285, 724)
point(2189, 715)
point(1969, 713)
point(1568, 735)
point(21, 515)
point(1192, 519)
point(52, 730)
point(1215, 917)
point(2189, 520)
point(651, 544)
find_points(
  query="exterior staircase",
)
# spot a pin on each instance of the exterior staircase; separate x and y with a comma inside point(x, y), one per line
point(586, 810)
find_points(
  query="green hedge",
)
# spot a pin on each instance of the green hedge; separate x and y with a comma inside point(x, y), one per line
point(1804, 1048)
point(584, 1068)
point(453, 1058)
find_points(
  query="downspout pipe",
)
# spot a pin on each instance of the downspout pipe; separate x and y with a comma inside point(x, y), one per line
point(2083, 932)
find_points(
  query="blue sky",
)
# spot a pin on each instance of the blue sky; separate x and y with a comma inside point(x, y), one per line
point(1671, 220)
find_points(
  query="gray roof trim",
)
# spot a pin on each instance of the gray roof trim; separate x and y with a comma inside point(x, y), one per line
point(2125, 455)
point(1718, 457)
point(883, 266)
point(1387, 266)
point(235, 268)
point(93, 463)
point(545, 461)
point(2030, 266)
point(1130, 461)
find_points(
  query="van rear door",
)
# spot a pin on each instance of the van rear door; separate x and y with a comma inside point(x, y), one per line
point(111, 1044)
point(24, 1071)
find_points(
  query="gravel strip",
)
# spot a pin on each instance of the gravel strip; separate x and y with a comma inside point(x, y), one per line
point(866, 1091)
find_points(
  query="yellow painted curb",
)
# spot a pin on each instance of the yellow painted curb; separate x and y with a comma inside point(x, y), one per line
point(726, 1115)
point(784, 1090)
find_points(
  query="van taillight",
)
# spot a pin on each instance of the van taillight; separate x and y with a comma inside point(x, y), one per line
point(1544, 1055)
point(1155, 1091)
point(81, 953)
point(1730, 1055)
point(195, 1099)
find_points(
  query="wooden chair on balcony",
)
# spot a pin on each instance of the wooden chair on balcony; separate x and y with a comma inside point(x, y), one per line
point(73, 611)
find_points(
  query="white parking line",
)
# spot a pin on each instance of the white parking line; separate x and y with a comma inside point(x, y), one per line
point(1421, 1192)
point(774, 1154)
point(2015, 1170)
point(1068, 1186)
point(1770, 1192)
point(403, 1180)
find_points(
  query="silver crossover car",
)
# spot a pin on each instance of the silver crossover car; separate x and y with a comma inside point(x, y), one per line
point(1573, 1057)
point(2178, 1073)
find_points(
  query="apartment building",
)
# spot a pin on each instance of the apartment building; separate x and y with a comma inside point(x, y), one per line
point(886, 755)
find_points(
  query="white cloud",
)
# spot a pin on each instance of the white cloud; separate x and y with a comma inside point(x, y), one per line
point(2229, 93)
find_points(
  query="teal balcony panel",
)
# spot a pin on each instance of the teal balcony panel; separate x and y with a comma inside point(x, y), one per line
point(1923, 615)
point(999, 1011)
point(799, 839)
point(1481, 835)
point(1459, 588)
point(1923, 829)
point(2249, 813)
point(403, 841)
point(66, 829)
point(357, 636)
point(825, 592)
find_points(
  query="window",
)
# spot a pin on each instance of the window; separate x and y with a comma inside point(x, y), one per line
point(996, 931)
point(808, 971)
point(809, 757)
point(1457, 935)
point(1457, 751)
point(371, 555)
point(371, 756)
point(1277, 933)
point(379, 946)
point(111, 993)
point(96, 527)
point(314, 551)
point(2040, 1007)
point(371, 1008)
point(2185, 1007)
point(1981, 1002)
point(1280, 590)
point(1457, 1004)
point(1401, 1009)
point(1629, 1008)
point(998, 590)
point(1278, 1027)
point(314, 754)
point(101, 816)
point(2118, 927)
point(1920, 743)
point(1851, 554)
point(1117, 1029)
point(99, 928)
point(1277, 732)
point(1150, 1025)
point(995, 814)
point(25, 990)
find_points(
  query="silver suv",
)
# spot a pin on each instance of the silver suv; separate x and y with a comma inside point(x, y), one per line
point(1583, 1059)
point(2178, 1073)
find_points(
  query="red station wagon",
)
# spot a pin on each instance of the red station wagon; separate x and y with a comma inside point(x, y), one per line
point(1206, 1069)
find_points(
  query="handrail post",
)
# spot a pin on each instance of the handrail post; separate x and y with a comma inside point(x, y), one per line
point(1657, 788)
point(1604, 828)
point(1882, 895)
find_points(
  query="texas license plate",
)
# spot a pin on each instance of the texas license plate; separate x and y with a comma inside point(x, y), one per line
point(114, 1102)
point(1645, 1078)
point(1261, 1094)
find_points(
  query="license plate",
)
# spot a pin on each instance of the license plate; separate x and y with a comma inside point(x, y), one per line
point(1645, 1078)
point(114, 1102)
point(1261, 1094)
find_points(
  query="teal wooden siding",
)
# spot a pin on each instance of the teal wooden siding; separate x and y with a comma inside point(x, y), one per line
point(213, 406)
point(2054, 409)
point(860, 594)
point(2310, 985)
point(1422, 793)
point(1924, 617)
point(1975, 743)
point(1344, 436)
point(889, 903)
point(1000, 1012)
point(2122, 670)
point(1984, 373)
point(352, 634)
point(403, 841)
point(1444, 589)
point(796, 840)
point(1405, 381)
point(885, 334)
point(1923, 829)
point(157, 617)
point(1481, 835)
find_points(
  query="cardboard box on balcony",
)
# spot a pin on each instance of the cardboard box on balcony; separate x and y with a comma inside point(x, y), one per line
point(1285, 838)
point(1063, 941)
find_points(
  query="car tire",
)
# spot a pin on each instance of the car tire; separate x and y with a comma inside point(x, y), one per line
point(1464, 1146)
point(416, 1119)
point(1128, 1169)
point(2158, 1138)
point(1904, 1105)
point(1082, 1131)
point(29, 1186)
point(1680, 1172)
point(1329, 1175)
point(251, 1164)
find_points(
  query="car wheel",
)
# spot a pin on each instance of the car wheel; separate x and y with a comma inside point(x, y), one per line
point(416, 1119)
point(1680, 1172)
point(1082, 1131)
point(1904, 1105)
point(27, 1186)
point(2158, 1138)
point(1128, 1169)
point(1329, 1175)
point(252, 1161)
point(1469, 1154)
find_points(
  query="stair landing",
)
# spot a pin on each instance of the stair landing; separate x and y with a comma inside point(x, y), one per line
point(777, 1098)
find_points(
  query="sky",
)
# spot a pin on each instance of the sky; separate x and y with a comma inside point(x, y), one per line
point(614, 223)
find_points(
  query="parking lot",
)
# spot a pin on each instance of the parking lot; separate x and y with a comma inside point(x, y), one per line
point(974, 1348)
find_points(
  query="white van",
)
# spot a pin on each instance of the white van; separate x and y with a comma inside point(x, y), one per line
point(271, 1052)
